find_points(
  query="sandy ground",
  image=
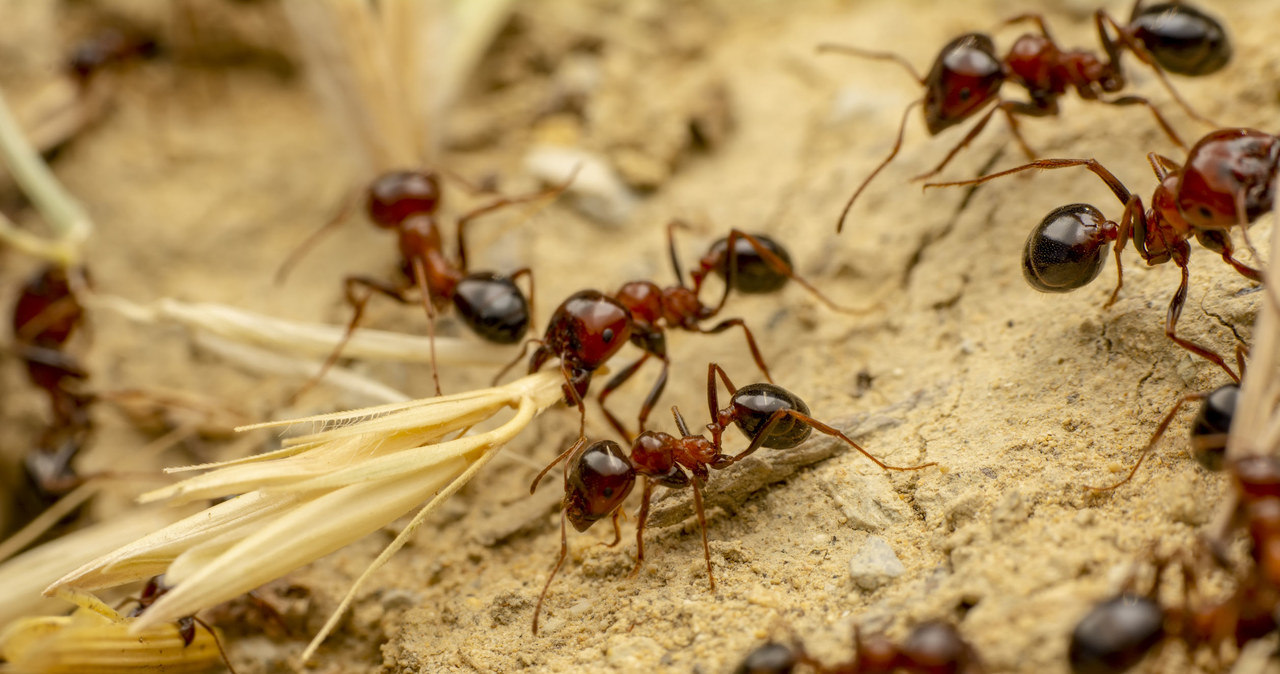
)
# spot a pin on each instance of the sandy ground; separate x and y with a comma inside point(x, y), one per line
point(202, 177)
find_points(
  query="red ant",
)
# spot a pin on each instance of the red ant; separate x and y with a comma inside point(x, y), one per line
point(601, 475)
point(156, 588)
point(933, 647)
point(490, 304)
point(967, 75)
point(45, 317)
point(1228, 180)
point(590, 327)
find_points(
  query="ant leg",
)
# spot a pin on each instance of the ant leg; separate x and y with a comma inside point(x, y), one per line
point(617, 530)
point(641, 518)
point(1117, 187)
point(424, 290)
point(216, 642)
point(564, 552)
point(779, 265)
point(659, 385)
point(524, 348)
point(1162, 166)
point(503, 202)
point(702, 525)
point(713, 404)
point(1171, 324)
point(1143, 55)
point(358, 304)
point(672, 226)
point(613, 384)
point(897, 145)
point(1155, 437)
point(821, 428)
point(344, 211)
point(751, 341)
point(1127, 229)
point(1032, 17)
point(829, 47)
point(563, 455)
point(1164, 124)
point(527, 273)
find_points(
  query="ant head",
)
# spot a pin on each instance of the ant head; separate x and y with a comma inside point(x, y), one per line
point(936, 646)
point(600, 478)
point(771, 658)
point(1067, 249)
point(588, 328)
point(396, 195)
point(1224, 164)
point(964, 79)
point(754, 404)
point(1181, 38)
point(1211, 425)
point(1115, 635)
point(47, 312)
point(754, 274)
point(492, 306)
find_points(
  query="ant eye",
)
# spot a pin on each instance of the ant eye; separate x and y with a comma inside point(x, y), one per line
point(965, 94)
point(1205, 212)
point(608, 492)
point(607, 335)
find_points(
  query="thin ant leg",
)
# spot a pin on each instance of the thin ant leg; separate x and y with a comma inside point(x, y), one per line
point(779, 265)
point(1132, 211)
point(616, 382)
point(672, 226)
point(344, 211)
point(1141, 53)
point(1162, 166)
point(655, 392)
point(424, 291)
point(216, 642)
point(503, 202)
point(1037, 19)
point(1010, 109)
point(358, 304)
point(524, 348)
point(527, 273)
point(829, 48)
point(897, 145)
point(816, 425)
point(467, 185)
point(1117, 187)
point(1164, 124)
point(1155, 437)
point(617, 530)
point(564, 553)
point(751, 341)
point(582, 440)
point(713, 404)
point(702, 525)
point(1171, 324)
point(646, 494)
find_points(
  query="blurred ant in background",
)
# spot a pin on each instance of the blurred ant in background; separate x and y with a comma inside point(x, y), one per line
point(967, 75)
point(932, 647)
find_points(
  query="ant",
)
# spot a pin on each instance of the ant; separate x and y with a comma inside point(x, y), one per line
point(1209, 429)
point(932, 647)
point(587, 329)
point(45, 316)
point(406, 202)
point(601, 475)
point(967, 75)
point(1227, 180)
point(156, 588)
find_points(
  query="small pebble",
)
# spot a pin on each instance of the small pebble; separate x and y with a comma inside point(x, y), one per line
point(875, 564)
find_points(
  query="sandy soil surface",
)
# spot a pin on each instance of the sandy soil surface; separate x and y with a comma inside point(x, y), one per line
point(204, 175)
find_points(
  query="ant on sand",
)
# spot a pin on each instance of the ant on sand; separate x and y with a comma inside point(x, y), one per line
point(932, 647)
point(967, 75)
point(1228, 180)
point(601, 475)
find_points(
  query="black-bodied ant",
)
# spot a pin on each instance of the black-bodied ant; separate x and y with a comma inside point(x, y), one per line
point(932, 647)
point(967, 75)
point(406, 202)
point(1228, 180)
point(601, 475)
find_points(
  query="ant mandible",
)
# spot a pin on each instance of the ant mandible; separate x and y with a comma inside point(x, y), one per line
point(748, 263)
point(932, 647)
point(406, 202)
point(1228, 180)
point(967, 75)
point(601, 475)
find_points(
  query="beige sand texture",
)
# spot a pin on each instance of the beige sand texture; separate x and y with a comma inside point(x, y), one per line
point(202, 177)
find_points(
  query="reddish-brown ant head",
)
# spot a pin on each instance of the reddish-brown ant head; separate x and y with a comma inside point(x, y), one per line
point(1258, 476)
point(493, 307)
point(936, 646)
point(754, 274)
point(46, 312)
point(599, 481)
point(1181, 38)
point(771, 658)
point(1067, 249)
point(966, 76)
point(1211, 425)
point(1221, 167)
point(754, 404)
point(396, 195)
point(588, 329)
point(1115, 635)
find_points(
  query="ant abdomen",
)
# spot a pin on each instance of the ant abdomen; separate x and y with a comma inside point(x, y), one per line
point(599, 481)
point(396, 195)
point(753, 275)
point(1181, 38)
point(1115, 635)
point(966, 76)
point(755, 404)
point(1211, 425)
point(771, 658)
point(492, 306)
point(1066, 250)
